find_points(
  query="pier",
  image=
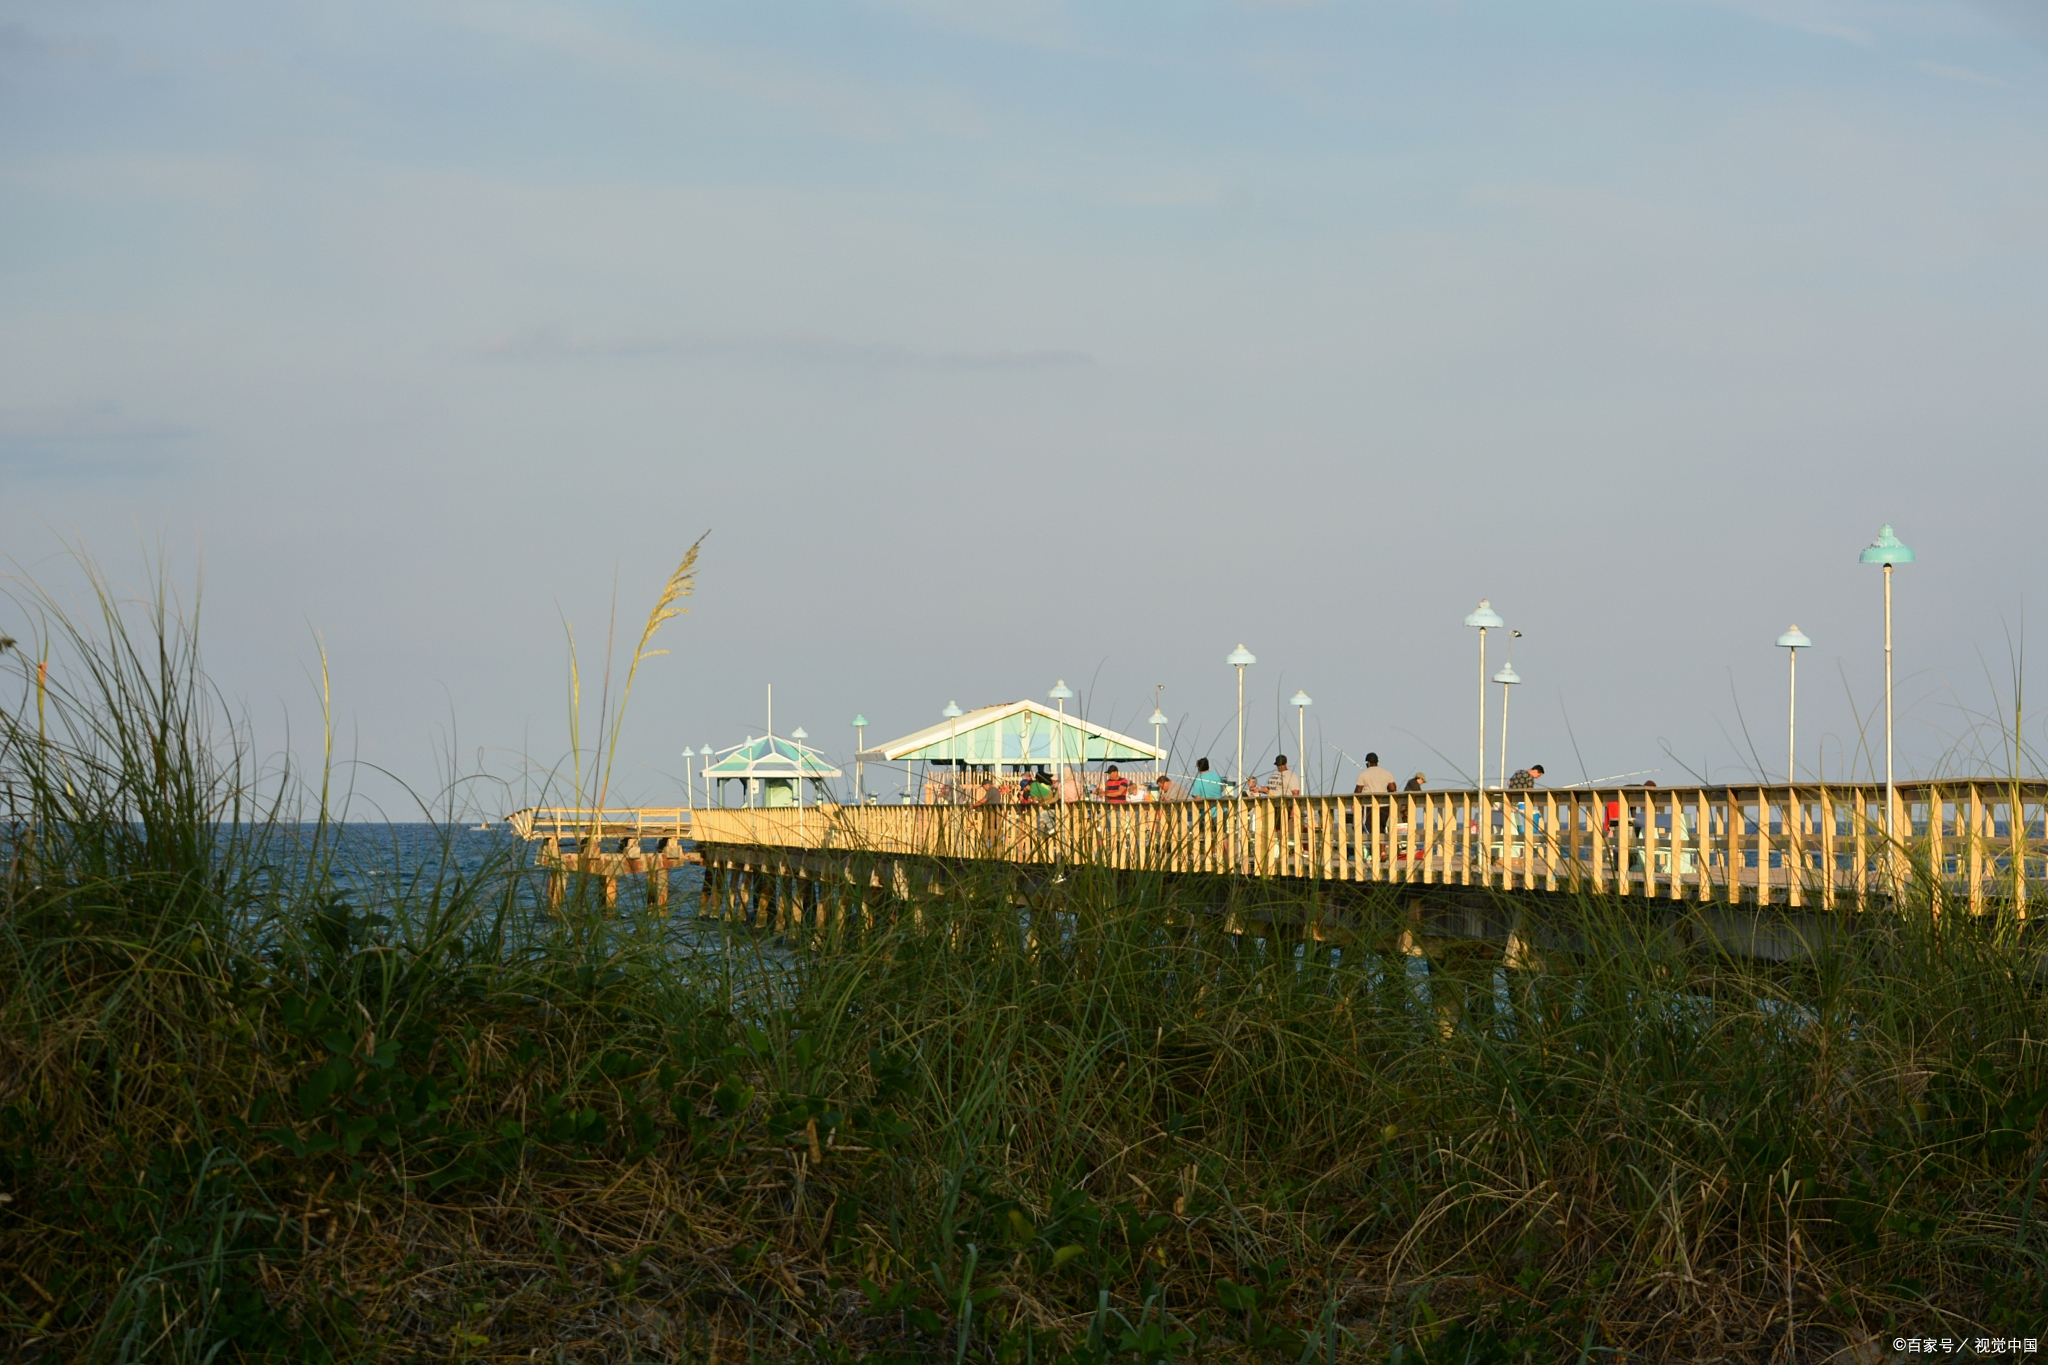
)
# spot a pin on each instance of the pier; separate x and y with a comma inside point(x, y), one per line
point(1807, 850)
point(607, 844)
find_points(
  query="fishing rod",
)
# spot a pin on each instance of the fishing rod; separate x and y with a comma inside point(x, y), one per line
point(1640, 772)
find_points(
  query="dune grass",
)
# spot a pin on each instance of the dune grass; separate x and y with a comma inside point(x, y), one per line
point(249, 1111)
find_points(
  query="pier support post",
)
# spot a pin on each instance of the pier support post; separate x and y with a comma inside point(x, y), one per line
point(551, 859)
point(657, 876)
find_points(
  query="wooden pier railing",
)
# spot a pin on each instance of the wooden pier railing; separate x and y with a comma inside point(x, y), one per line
point(612, 822)
point(1813, 845)
point(607, 844)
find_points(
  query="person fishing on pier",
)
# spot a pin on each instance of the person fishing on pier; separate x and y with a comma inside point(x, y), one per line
point(1373, 779)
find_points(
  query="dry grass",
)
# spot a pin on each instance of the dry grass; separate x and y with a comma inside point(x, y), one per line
point(244, 1115)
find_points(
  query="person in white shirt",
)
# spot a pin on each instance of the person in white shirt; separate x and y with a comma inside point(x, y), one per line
point(1285, 781)
point(1374, 780)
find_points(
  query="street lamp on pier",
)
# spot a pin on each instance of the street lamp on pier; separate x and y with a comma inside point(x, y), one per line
point(1062, 694)
point(1240, 659)
point(1792, 641)
point(953, 714)
point(1300, 701)
point(860, 743)
point(1507, 678)
point(799, 735)
point(1887, 550)
point(1485, 618)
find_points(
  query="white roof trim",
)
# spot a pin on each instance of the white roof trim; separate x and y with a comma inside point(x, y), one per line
point(989, 715)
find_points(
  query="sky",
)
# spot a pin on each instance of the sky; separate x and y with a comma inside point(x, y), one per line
point(1003, 343)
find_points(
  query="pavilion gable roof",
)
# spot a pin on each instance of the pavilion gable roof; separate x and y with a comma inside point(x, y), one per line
point(770, 756)
point(1018, 733)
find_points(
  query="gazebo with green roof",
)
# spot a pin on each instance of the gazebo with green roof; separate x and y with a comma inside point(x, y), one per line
point(773, 770)
point(1019, 736)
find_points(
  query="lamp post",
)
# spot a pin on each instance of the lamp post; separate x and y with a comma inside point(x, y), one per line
point(705, 754)
point(953, 714)
point(689, 781)
point(1062, 694)
point(1485, 618)
point(1887, 550)
point(1240, 658)
point(1507, 678)
point(1792, 641)
point(860, 731)
point(1300, 701)
point(1158, 719)
point(798, 736)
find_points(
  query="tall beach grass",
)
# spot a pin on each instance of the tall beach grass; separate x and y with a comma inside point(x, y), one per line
point(250, 1111)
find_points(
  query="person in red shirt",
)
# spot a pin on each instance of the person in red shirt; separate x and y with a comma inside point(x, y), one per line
point(1115, 786)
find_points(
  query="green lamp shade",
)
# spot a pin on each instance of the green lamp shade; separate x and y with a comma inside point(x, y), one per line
point(1300, 699)
point(1240, 657)
point(1158, 718)
point(952, 710)
point(1061, 692)
point(1486, 617)
point(1794, 638)
point(1507, 675)
point(860, 722)
point(1886, 549)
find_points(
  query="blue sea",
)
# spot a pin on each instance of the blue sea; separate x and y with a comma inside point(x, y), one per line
point(386, 863)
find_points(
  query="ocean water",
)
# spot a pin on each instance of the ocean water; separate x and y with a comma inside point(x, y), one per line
point(382, 864)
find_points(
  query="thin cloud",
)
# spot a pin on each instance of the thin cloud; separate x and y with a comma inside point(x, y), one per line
point(2028, 18)
point(82, 422)
point(1819, 20)
point(85, 441)
point(849, 109)
point(1023, 23)
point(800, 347)
point(1960, 73)
point(19, 42)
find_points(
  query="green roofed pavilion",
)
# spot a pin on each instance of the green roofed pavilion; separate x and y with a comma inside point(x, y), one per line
point(772, 768)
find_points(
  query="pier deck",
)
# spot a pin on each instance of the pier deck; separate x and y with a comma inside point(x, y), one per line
point(1809, 846)
point(609, 844)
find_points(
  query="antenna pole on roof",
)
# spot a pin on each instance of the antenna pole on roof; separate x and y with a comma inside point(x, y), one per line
point(771, 718)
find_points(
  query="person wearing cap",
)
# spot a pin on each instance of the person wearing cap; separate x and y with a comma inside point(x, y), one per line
point(1374, 779)
point(1286, 782)
point(1415, 783)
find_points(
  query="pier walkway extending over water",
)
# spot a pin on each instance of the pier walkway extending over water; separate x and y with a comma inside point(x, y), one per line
point(1811, 846)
